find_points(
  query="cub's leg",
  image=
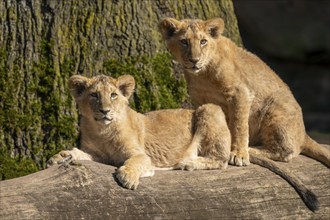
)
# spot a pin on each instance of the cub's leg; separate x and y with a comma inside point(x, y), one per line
point(74, 154)
point(135, 167)
point(211, 141)
point(282, 130)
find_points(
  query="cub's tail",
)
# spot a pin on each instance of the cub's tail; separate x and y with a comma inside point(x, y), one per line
point(306, 195)
point(314, 150)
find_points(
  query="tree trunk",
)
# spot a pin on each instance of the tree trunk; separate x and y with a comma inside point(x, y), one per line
point(89, 191)
point(44, 42)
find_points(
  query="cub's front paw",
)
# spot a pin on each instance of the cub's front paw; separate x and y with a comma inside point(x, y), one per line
point(239, 158)
point(129, 178)
point(185, 165)
point(61, 157)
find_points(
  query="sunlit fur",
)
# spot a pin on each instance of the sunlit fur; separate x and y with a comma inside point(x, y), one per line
point(193, 32)
point(113, 133)
point(260, 108)
point(97, 104)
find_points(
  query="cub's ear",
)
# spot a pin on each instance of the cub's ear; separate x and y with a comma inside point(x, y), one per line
point(215, 27)
point(77, 85)
point(168, 27)
point(126, 84)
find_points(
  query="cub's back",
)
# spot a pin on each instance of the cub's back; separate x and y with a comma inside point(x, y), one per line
point(170, 122)
point(256, 74)
point(167, 134)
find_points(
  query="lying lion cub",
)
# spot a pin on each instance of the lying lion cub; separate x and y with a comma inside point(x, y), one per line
point(113, 133)
point(260, 107)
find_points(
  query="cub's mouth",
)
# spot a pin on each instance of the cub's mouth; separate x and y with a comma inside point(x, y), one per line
point(105, 120)
point(194, 69)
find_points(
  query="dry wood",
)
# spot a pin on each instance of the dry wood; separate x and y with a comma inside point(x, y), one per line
point(89, 191)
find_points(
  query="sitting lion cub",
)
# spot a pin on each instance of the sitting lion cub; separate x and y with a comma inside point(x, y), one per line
point(113, 133)
point(260, 108)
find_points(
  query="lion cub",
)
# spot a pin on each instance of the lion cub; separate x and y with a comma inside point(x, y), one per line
point(113, 133)
point(259, 106)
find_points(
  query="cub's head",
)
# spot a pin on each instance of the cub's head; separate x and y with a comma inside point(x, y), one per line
point(192, 42)
point(101, 98)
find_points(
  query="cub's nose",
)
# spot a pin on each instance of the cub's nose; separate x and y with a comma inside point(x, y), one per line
point(194, 60)
point(104, 111)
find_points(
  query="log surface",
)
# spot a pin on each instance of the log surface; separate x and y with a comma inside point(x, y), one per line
point(89, 191)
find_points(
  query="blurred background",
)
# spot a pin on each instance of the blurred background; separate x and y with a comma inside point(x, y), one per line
point(293, 38)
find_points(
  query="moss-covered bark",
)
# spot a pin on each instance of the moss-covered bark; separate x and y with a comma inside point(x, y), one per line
point(44, 42)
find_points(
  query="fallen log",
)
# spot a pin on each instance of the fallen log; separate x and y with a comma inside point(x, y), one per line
point(88, 190)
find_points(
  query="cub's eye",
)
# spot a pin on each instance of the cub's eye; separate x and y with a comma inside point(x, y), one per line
point(94, 95)
point(203, 41)
point(113, 95)
point(184, 42)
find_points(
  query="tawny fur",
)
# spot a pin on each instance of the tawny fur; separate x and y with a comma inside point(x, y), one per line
point(260, 108)
point(113, 133)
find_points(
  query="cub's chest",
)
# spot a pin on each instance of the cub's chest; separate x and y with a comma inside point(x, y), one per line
point(203, 90)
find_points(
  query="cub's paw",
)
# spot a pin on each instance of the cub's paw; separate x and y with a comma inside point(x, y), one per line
point(128, 178)
point(239, 158)
point(186, 165)
point(60, 158)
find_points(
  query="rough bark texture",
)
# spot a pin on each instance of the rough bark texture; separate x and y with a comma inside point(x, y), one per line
point(44, 42)
point(89, 191)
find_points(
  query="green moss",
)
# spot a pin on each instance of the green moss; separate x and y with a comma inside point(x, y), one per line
point(89, 22)
point(12, 14)
point(13, 167)
point(58, 128)
point(156, 85)
point(38, 122)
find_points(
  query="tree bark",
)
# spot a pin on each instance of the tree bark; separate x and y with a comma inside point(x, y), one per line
point(44, 42)
point(89, 191)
